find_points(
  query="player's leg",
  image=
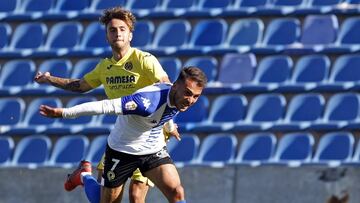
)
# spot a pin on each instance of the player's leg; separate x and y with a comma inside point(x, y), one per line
point(92, 188)
point(139, 187)
point(167, 179)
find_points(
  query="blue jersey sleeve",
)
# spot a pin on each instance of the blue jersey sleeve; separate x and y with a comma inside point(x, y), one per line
point(144, 103)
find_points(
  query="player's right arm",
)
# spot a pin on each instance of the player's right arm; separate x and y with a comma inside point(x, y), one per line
point(74, 85)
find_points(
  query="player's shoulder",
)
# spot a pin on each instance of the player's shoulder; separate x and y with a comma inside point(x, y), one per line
point(142, 54)
point(157, 87)
point(105, 63)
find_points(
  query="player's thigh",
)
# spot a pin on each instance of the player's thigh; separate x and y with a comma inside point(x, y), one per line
point(165, 177)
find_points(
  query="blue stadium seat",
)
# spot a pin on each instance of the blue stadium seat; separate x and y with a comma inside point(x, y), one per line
point(211, 4)
point(11, 110)
point(64, 35)
point(225, 110)
point(349, 32)
point(282, 31)
point(194, 115)
point(309, 72)
point(265, 79)
point(200, 40)
point(94, 37)
point(344, 74)
point(250, 3)
point(99, 5)
point(37, 5)
point(235, 69)
point(356, 157)
point(69, 150)
point(324, 2)
point(341, 110)
point(208, 64)
point(143, 4)
point(35, 123)
point(263, 112)
point(6, 150)
point(33, 150)
point(22, 40)
point(334, 148)
point(17, 73)
point(97, 149)
point(217, 150)
point(242, 36)
point(178, 4)
point(84, 66)
point(302, 110)
point(57, 67)
point(9, 5)
point(294, 149)
point(5, 33)
point(69, 5)
point(171, 34)
point(143, 33)
point(185, 151)
point(293, 3)
point(172, 67)
point(319, 30)
point(256, 148)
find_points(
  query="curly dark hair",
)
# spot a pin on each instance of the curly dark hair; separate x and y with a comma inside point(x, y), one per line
point(118, 13)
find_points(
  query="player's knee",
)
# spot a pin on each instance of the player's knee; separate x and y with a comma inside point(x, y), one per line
point(179, 193)
point(137, 194)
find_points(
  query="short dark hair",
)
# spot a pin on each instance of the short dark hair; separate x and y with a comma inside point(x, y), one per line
point(193, 73)
point(118, 13)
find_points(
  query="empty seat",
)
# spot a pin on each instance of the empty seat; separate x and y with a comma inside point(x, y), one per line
point(256, 148)
point(200, 33)
point(250, 3)
point(22, 40)
point(288, 3)
point(282, 31)
point(217, 149)
point(356, 156)
point(94, 37)
point(97, 149)
point(319, 29)
point(6, 150)
point(64, 35)
point(32, 115)
point(334, 148)
point(263, 112)
point(17, 73)
point(37, 5)
point(143, 4)
point(9, 5)
point(184, 151)
point(237, 68)
point(341, 109)
point(171, 33)
point(172, 67)
point(324, 2)
point(309, 72)
point(265, 79)
point(245, 32)
point(57, 67)
point(34, 149)
point(69, 5)
point(5, 32)
point(178, 4)
point(294, 149)
point(349, 32)
point(210, 4)
point(207, 64)
point(70, 149)
point(143, 33)
point(11, 111)
point(84, 66)
point(225, 110)
point(302, 110)
point(104, 4)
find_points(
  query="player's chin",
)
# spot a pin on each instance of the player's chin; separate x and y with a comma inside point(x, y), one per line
point(183, 108)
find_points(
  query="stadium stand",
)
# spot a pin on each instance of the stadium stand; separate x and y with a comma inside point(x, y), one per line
point(185, 151)
point(97, 149)
point(6, 150)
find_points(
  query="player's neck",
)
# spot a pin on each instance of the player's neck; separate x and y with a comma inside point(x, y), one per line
point(120, 53)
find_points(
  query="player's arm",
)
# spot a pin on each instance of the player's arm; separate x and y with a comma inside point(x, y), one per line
point(74, 85)
point(109, 106)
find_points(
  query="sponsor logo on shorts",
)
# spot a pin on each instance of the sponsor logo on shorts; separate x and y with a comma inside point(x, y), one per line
point(162, 154)
point(130, 106)
point(110, 175)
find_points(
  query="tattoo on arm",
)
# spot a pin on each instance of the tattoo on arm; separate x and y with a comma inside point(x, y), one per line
point(66, 84)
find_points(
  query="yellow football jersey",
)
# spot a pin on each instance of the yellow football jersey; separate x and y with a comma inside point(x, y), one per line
point(137, 69)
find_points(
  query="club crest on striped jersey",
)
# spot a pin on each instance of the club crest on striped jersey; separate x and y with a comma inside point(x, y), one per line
point(130, 106)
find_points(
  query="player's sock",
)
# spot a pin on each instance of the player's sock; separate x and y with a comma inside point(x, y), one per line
point(181, 201)
point(91, 187)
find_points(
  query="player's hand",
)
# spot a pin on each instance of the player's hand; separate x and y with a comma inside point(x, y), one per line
point(50, 112)
point(42, 77)
point(175, 133)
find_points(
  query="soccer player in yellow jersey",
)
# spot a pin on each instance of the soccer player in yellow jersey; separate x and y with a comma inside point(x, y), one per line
point(128, 70)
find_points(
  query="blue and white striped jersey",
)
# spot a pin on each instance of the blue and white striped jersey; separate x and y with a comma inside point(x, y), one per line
point(139, 128)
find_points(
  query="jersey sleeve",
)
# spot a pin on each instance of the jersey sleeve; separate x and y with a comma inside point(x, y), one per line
point(152, 68)
point(93, 77)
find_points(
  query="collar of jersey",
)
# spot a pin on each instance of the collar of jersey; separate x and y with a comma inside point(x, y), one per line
point(123, 59)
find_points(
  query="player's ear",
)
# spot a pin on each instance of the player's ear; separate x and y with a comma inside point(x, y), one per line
point(130, 36)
